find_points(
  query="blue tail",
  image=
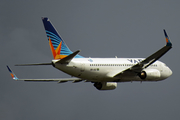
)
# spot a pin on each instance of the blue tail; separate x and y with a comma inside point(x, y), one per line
point(58, 47)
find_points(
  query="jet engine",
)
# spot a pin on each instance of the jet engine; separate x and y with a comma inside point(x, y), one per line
point(105, 85)
point(150, 74)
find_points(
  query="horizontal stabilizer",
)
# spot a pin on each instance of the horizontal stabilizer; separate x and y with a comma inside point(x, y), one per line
point(33, 64)
point(68, 58)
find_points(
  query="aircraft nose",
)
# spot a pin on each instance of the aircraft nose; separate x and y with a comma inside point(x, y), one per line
point(166, 73)
point(170, 72)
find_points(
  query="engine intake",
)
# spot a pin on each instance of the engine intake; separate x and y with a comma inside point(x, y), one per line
point(105, 85)
point(150, 74)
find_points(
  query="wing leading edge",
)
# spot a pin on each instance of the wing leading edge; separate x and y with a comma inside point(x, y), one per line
point(149, 60)
point(59, 80)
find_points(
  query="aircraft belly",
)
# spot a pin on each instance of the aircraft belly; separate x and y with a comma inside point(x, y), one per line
point(80, 72)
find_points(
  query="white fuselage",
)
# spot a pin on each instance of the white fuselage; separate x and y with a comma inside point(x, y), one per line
point(104, 69)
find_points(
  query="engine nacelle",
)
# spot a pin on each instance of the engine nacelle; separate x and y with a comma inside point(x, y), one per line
point(150, 74)
point(105, 85)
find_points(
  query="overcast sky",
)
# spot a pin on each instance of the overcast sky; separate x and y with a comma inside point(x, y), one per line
point(103, 28)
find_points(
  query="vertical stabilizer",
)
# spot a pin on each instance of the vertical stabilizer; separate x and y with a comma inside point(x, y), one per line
point(58, 46)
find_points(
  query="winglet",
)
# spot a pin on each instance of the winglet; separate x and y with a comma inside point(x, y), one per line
point(168, 42)
point(12, 74)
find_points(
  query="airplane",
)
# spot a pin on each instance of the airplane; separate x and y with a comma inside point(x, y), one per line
point(104, 73)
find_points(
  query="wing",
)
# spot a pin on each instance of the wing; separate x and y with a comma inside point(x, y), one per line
point(60, 80)
point(149, 60)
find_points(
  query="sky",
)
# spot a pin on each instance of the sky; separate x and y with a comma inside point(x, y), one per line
point(104, 28)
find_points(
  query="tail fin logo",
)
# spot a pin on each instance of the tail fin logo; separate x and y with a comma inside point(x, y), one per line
point(56, 52)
